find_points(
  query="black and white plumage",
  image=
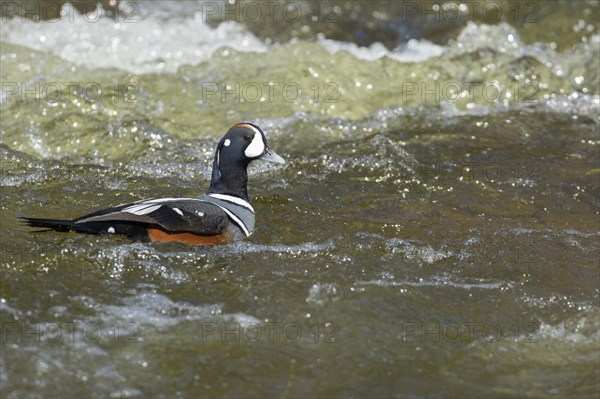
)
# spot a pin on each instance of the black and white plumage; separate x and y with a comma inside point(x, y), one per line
point(223, 214)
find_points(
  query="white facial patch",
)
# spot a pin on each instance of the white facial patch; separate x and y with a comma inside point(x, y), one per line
point(256, 147)
point(227, 142)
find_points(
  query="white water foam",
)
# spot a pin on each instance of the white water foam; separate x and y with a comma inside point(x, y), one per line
point(150, 308)
point(413, 51)
point(438, 283)
point(152, 44)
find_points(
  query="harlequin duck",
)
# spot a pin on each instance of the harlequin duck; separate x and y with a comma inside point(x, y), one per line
point(223, 214)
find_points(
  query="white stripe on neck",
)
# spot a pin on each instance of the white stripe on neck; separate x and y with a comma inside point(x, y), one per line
point(235, 200)
point(236, 220)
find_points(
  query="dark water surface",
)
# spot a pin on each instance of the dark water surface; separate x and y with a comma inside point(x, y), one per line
point(435, 232)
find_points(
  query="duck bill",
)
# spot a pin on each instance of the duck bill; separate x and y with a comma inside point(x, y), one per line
point(270, 156)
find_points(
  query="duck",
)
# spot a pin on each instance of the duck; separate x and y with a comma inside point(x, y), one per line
point(224, 214)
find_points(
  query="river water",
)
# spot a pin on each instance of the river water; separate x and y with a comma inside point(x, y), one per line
point(435, 231)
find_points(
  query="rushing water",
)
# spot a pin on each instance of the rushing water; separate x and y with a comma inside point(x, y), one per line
point(435, 231)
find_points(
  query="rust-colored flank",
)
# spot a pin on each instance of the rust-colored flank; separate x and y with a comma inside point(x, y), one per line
point(158, 235)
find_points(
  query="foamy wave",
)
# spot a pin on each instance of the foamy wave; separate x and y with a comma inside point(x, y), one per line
point(150, 308)
point(438, 283)
point(146, 44)
point(575, 329)
point(413, 51)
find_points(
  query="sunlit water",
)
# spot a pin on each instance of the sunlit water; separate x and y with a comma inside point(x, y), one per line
point(434, 232)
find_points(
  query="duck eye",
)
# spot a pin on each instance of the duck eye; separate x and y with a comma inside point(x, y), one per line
point(247, 137)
